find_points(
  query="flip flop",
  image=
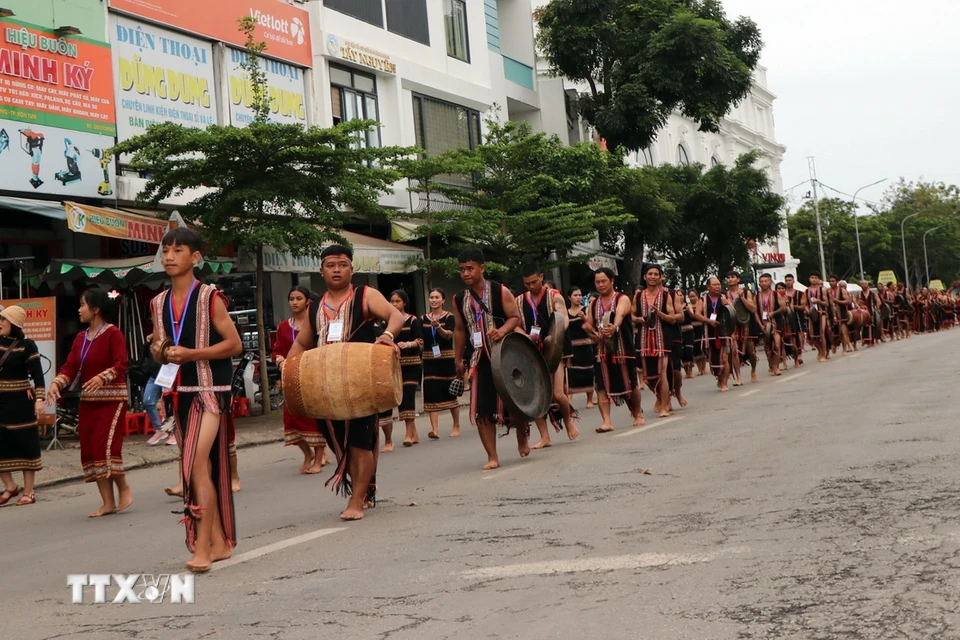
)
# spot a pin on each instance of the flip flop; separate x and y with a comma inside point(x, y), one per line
point(7, 496)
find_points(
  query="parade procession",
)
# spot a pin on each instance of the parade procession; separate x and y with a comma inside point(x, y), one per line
point(470, 319)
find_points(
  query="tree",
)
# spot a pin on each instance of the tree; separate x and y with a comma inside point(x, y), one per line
point(718, 212)
point(643, 59)
point(533, 198)
point(281, 185)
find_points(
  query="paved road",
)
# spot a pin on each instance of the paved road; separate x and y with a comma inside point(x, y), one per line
point(822, 505)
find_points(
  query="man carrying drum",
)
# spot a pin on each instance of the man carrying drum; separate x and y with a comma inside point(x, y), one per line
point(347, 314)
point(485, 312)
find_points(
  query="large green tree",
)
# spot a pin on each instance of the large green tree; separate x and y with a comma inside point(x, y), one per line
point(282, 185)
point(643, 59)
point(533, 198)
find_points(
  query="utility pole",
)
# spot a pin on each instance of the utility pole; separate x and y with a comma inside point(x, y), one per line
point(811, 165)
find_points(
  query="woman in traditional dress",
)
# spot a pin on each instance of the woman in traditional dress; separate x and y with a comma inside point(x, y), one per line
point(410, 341)
point(699, 355)
point(302, 432)
point(439, 364)
point(580, 367)
point(97, 368)
point(21, 405)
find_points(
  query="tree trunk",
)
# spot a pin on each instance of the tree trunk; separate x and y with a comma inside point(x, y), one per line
point(262, 334)
point(632, 267)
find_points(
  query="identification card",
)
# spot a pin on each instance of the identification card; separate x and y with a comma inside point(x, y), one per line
point(764, 315)
point(713, 317)
point(535, 333)
point(335, 331)
point(436, 351)
point(167, 375)
point(477, 339)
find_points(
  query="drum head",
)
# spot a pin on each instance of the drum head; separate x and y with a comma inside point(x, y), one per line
point(553, 344)
point(521, 377)
point(726, 316)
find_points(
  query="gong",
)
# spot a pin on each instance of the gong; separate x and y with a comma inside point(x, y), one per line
point(521, 376)
point(554, 343)
point(742, 313)
point(726, 316)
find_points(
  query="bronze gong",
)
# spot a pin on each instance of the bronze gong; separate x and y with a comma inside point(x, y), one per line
point(164, 347)
point(742, 313)
point(521, 377)
point(553, 344)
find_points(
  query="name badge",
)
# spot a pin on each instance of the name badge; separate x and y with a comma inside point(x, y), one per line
point(713, 317)
point(436, 351)
point(764, 315)
point(535, 333)
point(167, 375)
point(335, 331)
point(477, 339)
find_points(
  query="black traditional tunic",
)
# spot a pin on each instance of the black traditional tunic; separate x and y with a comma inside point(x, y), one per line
point(438, 372)
point(580, 372)
point(616, 369)
point(19, 434)
point(411, 366)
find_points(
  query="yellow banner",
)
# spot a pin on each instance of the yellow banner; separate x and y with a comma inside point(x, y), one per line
point(936, 285)
point(98, 221)
point(886, 277)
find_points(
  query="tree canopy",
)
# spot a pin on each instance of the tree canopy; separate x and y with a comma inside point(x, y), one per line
point(641, 60)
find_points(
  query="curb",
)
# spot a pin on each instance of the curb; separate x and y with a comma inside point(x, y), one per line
point(145, 463)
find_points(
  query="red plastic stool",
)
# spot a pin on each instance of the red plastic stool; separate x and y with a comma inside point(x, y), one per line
point(241, 407)
point(136, 423)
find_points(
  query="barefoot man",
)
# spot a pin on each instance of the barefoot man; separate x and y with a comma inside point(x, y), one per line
point(347, 313)
point(537, 307)
point(818, 316)
point(191, 320)
point(485, 312)
point(718, 346)
point(747, 334)
point(608, 322)
point(652, 307)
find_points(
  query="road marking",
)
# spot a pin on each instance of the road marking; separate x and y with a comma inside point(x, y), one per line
point(793, 377)
point(647, 427)
point(276, 546)
point(750, 393)
point(609, 563)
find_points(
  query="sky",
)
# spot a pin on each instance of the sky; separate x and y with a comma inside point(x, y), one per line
point(869, 88)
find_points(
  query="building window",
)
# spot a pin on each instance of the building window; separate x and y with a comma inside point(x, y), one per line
point(441, 126)
point(645, 157)
point(353, 96)
point(682, 157)
point(370, 11)
point(455, 23)
point(714, 161)
point(408, 18)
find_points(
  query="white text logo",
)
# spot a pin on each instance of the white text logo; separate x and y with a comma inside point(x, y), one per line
point(137, 588)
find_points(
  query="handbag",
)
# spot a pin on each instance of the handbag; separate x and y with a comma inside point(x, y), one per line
point(74, 391)
point(456, 387)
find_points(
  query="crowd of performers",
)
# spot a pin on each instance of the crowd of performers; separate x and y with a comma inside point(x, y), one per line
point(614, 344)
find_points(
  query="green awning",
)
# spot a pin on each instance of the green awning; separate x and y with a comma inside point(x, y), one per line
point(126, 272)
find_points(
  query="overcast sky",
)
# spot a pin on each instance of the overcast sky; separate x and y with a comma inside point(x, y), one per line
point(868, 87)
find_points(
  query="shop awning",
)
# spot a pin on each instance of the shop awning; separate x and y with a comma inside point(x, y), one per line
point(46, 208)
point(113, 223)
point(370, 255)
point(125, 272)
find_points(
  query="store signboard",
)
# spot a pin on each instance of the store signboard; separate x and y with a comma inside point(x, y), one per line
point(41, 327)
point(365, 260)
point(162, 76)
point(286, 86)
point(114, 224)
point(361, 54)
point(284, 28)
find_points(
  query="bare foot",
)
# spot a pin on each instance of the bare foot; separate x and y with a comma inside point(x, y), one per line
point(102, 511)
point(433, 435)
point(387, 447)
point(638, 421)
point(724, 387)
point(572, 432)
point(324, 460)
point(738, 383)
point(664, 413)
point(523, 449)
point(126, 499)
point(681, 400)
point(543, 444)
point(178, 491)
point(349, 515)
point(235, 484)
point(604, 428)
point(201, 561)
point(220, 553)
point(455, 433)
point(591, 405)
point(307, 461)
point(493, 464)
point(753, 377)
point(316, 467)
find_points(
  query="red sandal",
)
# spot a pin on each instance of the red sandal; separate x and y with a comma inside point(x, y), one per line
point(28, 498)
point(8, 495)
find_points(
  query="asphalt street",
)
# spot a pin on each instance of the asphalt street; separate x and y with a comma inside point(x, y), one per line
point(822, 504)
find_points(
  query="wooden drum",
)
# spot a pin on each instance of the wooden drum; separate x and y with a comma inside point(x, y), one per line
point(342, 381)
point(858, 318)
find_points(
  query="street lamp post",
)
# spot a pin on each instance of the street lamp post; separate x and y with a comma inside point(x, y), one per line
point(926, 263)
point(906, 267)
point(856, 224)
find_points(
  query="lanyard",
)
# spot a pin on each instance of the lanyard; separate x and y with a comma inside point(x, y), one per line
point(605, 309)
point(88, 344)
point(339, 310)
point(178, 328)
point(534, 305)
point(765, 302)
point(433, 329)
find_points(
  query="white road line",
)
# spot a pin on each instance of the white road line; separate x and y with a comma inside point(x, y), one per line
point(647, 427)
point(276, 546)
point(609, 563)
point(793, 377)
point(750, 393)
